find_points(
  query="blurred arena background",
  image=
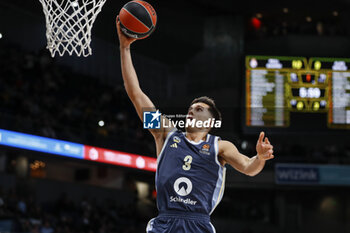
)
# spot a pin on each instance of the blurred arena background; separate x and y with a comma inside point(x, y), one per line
point(199, 48)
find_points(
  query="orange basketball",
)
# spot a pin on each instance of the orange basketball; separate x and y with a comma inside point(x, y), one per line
point(137, 19)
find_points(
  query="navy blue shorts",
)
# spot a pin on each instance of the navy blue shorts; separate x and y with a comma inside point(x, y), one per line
point(180, 222)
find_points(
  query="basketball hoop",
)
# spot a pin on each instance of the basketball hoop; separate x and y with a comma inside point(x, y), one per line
point(69, 24)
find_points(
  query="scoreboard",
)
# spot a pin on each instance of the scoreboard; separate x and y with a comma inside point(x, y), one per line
point(278, 87)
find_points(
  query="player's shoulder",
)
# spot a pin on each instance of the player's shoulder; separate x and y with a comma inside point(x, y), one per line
point(225, 145)
point(163, 133)
point(171, 131)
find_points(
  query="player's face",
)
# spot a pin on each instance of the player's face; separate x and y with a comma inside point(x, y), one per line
point(199, 111)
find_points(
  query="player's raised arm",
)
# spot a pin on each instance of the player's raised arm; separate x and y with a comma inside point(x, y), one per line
point(139, 99)
point(249, 166)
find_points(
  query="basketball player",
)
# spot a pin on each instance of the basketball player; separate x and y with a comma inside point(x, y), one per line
point(191, 169)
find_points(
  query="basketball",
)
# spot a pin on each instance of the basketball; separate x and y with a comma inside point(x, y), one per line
point(137, 19)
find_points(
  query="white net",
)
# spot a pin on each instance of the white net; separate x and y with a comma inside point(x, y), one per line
point(69, 24)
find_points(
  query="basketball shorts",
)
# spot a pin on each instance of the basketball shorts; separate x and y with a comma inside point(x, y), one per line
point(180, 222)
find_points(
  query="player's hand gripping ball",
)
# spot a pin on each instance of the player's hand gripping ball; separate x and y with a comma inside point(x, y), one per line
point(138, 19)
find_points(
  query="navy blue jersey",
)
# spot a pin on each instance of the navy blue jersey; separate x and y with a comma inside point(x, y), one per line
point(189, 177)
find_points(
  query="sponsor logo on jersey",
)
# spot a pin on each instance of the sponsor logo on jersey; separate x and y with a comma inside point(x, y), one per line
point(183, 187)
point(177, 139)
point(205, 149)
point(174, 145)
point(181, 200)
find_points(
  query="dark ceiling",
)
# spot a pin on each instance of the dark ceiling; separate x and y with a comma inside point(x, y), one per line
point(180, 24)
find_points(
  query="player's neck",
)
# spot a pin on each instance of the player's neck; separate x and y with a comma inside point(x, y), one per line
point(196, 136)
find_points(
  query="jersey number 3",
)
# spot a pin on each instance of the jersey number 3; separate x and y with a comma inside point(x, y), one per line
point(188, 161)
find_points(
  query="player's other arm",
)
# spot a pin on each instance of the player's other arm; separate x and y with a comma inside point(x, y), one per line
point(139, 99)
point(249, 166)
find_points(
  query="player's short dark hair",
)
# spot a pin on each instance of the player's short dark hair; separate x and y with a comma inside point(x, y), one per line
point(212, 107)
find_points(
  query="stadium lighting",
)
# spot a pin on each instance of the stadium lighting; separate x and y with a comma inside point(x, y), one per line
point(101, 123)
point(244, 145)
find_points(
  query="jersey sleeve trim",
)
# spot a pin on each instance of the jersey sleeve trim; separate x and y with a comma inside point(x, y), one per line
point(220, 183)
point(219, 190)
point(208, 137)
point(216, 147)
